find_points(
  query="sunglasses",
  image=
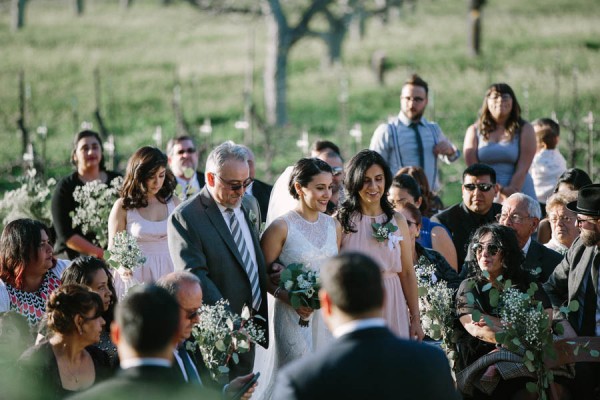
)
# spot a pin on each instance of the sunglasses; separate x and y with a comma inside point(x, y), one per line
point(491, 248)
point(581, 220)
point(236, 186)
point(191, 150)
point(337, 171)
point(484, 187)
point(191, 314)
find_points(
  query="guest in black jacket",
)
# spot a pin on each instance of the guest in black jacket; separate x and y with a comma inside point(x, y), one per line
point(366, 361)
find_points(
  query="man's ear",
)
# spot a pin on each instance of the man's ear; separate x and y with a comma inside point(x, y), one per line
point(326, 305)
point(210, 179)
point(496, 189)
point(115, 333)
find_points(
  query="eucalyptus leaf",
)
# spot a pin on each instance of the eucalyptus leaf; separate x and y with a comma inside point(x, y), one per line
point(529, 365)
point(470, 298)
point(529, 355)
point(235, 358)
point(295, 301)
point(229, 323)
point(223, 369)
point(573, 305)
point(494, 296)
point(516, 341)
point(531, 387)
point(486, 287)
point(500, 337)
point(220, 345)
point(594, 353)
point(476, 315)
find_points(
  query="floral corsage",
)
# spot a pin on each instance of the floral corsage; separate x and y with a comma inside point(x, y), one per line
point(381, 233)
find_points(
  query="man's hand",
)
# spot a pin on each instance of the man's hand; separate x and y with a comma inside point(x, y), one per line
point(444, 148)
point(275, 273)
point(238, 383)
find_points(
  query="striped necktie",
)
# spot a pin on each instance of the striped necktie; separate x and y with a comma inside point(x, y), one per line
point(249, 266)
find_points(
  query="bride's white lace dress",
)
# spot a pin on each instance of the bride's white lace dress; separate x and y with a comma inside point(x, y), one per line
point(311, 244)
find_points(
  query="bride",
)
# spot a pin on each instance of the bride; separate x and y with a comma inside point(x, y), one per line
point(303, 235)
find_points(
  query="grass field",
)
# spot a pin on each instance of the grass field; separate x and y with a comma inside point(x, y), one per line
point(547, 50)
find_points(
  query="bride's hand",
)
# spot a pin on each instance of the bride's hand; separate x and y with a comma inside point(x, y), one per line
point(304, 312)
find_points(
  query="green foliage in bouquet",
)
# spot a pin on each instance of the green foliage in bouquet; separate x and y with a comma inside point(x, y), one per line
point(125, 252)
point(302, 286)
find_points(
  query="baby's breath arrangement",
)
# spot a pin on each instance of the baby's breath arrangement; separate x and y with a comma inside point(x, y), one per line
point(302, 285)
point(221, 335)
point(95, 200)
point(125, 252)
point(381, 233)
point(30, 200)
point(436, 305)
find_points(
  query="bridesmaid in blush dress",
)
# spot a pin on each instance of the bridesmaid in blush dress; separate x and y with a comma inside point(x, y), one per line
point(143, 210)
point(367, 182)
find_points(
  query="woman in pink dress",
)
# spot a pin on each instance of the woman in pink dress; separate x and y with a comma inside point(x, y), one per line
point(143, 210)
point(368, 179)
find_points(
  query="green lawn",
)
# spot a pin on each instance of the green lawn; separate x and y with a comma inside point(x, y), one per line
point(535, 46)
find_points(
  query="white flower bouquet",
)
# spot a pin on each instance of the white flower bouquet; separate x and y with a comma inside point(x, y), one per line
point(302, 285)
point(30, 200)
point(95, 200)
point(125, 256)
point(436, 301)
point(222, 335)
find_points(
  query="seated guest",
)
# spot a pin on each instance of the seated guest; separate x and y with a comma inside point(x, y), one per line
point(28, 272)
point(93, 273)
point(571, 179)
point(145, 331)
point(67, 362)
point(562, 221)
point(443, 270)
point(15, 338)
point(185, 288)
point(431, 204)
point(522, 213)
point(498, 253)
point(476, 209)
point(351, 302)
point(432, 235)
point(575, 278)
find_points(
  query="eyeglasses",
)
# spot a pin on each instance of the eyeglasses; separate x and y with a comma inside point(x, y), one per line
point(514, 218)
point(491, 248)
point(564, 218)
point(581, 220)
point(484, 187)
point(190, 150)
point(497, 96)
point(190, 314)
point(413, 99)
point(411, 223)
point(337, 171)
point(236, 186)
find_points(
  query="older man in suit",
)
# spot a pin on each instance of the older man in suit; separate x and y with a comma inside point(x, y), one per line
point(522, 213)
point(212, 236)
point(145, 331)
point(576, 278)
point(367, 361)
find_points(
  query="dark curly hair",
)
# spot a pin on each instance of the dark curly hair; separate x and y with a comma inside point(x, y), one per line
point(304, 171)
point(19, 243)
point(82, 271)
point(142, 165)
point(68, 301)
point(486, 124)
point(512, 256)
point(354, 182)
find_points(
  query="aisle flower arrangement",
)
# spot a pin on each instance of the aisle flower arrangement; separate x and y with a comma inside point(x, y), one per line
point(30, 200)
point(95, 200)
point(302, 285)
point(221, 335)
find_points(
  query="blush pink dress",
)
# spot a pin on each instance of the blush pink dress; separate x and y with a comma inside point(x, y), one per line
point(395, 310)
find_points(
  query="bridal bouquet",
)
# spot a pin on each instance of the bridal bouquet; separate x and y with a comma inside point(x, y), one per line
point(302, 286)
point(222, 335)
point(436, 303)
point(30, 200)
point(125, 256)
point(95, 200)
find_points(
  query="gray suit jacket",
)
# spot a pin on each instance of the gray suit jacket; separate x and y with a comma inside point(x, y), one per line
point(566, 282)
point(200, 241)
point(540, 256)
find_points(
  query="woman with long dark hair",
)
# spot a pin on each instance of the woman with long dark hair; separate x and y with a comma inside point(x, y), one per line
point(143, 209)
point(370, 225)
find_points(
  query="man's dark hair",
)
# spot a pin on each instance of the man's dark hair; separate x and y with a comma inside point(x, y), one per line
point(416, 80)
point(320, 146)
point(353, 282)
point(148, 318)
point(479, 169)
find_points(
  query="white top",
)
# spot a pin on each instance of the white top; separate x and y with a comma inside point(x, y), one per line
point(547, 166)
point(357, 325)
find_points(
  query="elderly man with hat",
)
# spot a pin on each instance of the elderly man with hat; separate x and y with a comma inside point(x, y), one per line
point(576, 278)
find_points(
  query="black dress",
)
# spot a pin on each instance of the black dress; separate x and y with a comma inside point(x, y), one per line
point(40, 377)
point(62, 205)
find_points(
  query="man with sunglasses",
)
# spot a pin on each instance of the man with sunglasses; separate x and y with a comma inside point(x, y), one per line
point(411, 140)
point(185, 288)
point(477, 208)
point(576, 278)
point(522, 213)
point(183, 161)
point(212, 235)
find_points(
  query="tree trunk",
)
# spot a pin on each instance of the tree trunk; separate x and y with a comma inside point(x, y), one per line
point(17, 14)
point(78, 7)
point(475, 26)
point(278, 47)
